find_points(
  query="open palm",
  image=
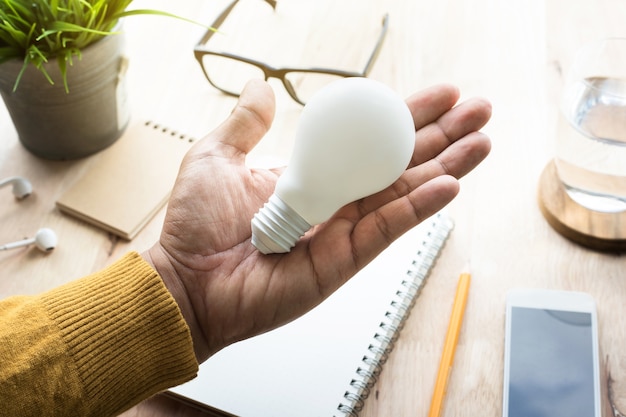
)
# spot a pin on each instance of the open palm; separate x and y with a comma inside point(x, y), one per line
point(229, 291)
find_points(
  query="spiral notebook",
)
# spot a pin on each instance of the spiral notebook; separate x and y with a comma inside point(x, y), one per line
point(325, 362)
point(130, 181)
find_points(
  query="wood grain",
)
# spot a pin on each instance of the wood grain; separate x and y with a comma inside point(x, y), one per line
point(511, 52)
point(595, 230)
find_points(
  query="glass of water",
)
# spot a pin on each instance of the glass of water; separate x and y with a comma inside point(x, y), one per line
point(591, 143)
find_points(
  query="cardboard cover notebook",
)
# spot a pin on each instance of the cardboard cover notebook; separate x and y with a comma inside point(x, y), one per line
point(129, 182)
point(325, 363)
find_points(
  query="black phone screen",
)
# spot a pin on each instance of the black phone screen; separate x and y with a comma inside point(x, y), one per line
point(551, 370)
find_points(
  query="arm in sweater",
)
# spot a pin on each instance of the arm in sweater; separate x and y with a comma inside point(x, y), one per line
point(93, 347)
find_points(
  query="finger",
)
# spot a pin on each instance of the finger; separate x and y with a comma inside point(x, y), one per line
point(428, 105)
point(361, 239)
point(452, 126)
point(458, 159)
point(250, 119)
point(467, 117)
point(381, 227)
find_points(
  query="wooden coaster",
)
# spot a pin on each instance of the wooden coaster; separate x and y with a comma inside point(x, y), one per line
point(593, 229)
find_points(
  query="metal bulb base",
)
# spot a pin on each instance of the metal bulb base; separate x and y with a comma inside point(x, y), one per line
point(276, 228)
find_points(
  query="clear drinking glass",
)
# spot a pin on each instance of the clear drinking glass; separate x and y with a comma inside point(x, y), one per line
point(591, 142)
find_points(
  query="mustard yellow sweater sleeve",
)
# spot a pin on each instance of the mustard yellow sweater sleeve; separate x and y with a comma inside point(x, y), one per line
point(94, 347)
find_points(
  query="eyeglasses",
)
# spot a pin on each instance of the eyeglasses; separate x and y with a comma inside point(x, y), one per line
point(229, 72)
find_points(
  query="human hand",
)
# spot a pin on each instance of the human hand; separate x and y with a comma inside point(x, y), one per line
point(229, 291)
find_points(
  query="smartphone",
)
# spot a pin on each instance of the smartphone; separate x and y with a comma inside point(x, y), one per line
point(551, 358)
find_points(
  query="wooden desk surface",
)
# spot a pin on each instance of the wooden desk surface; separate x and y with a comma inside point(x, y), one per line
point(512, 52)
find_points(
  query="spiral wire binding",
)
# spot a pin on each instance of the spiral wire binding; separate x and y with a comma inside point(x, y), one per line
point(169, 131)
point(390, 327)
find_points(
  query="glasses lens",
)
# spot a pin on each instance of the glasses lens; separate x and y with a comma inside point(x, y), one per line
point(228, 74)
point(305, 84)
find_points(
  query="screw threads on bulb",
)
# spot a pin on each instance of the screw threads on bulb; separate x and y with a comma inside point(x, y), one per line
point(277, 227)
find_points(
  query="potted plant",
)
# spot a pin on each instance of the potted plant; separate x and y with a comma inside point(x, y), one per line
point(62, 72)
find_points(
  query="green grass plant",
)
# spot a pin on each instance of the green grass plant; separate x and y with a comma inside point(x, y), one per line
point(38, 31)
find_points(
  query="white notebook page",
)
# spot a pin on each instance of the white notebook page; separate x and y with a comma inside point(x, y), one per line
point(304, 368)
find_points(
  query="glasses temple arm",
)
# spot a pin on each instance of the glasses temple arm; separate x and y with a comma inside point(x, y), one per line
point(220, 19)
point(378, 46)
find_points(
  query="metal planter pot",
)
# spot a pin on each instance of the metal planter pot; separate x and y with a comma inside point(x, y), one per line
point(54, 124)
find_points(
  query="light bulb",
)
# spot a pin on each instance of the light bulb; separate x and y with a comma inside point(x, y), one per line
point(355, 137)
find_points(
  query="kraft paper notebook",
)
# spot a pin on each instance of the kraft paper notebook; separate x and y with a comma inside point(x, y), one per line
point(129, 182)
point(324, 363)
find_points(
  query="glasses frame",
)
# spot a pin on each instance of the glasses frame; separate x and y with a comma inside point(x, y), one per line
point(200, 50)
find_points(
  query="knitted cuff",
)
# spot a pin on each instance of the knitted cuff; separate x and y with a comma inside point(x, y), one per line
point(125, 333)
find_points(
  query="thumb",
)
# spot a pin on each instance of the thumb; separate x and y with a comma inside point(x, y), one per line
point(250, 119)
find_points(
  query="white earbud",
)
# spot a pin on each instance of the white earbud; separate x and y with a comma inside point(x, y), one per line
point(21, 186)
point(45, 239)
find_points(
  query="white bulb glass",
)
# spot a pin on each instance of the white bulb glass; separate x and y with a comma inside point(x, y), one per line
point(355, 137)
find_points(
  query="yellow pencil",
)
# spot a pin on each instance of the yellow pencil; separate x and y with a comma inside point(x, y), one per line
point(452, 336)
